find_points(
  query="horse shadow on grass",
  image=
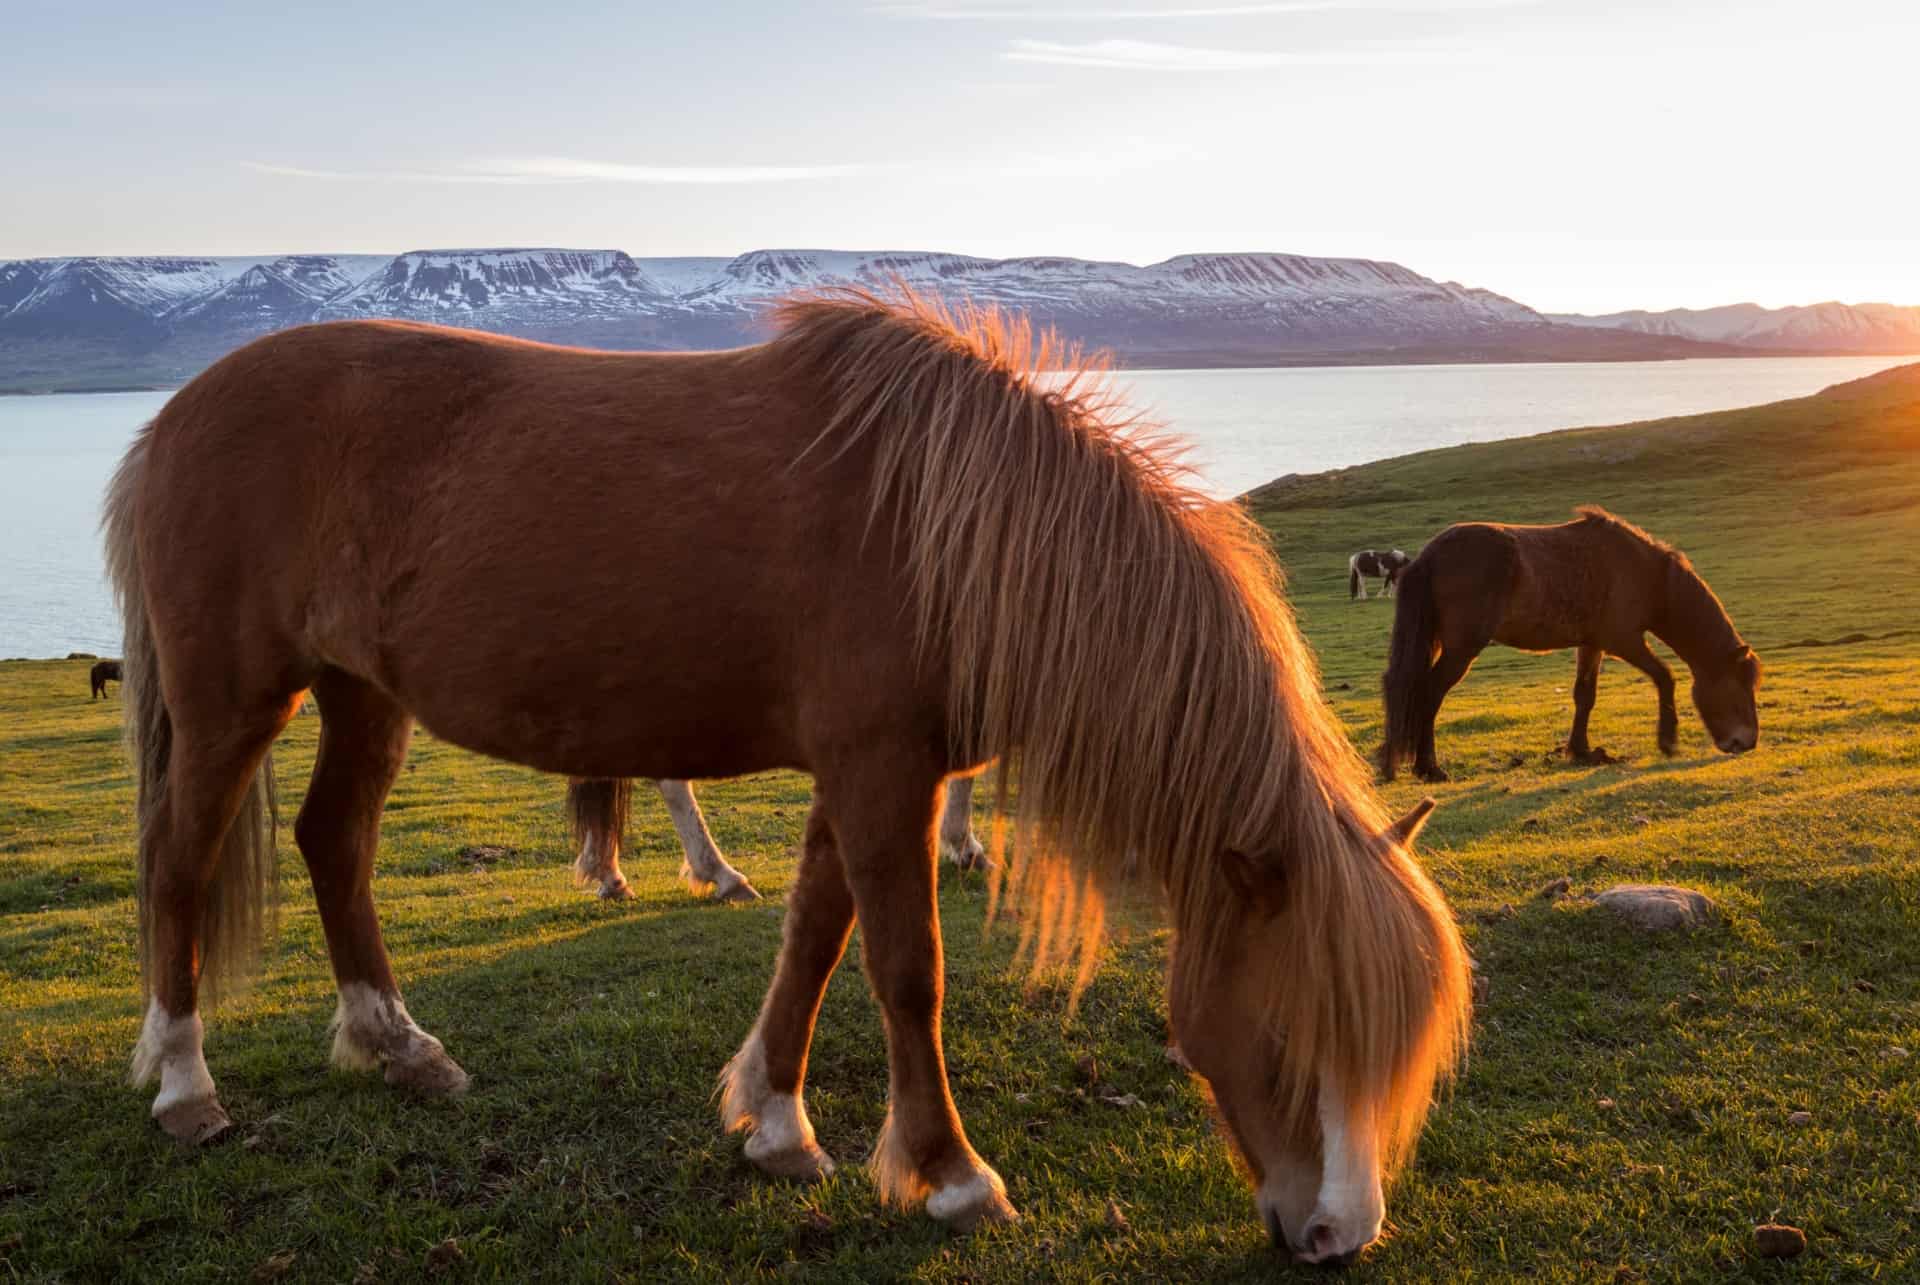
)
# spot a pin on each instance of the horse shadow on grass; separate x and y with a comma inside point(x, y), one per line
point(593, 1034)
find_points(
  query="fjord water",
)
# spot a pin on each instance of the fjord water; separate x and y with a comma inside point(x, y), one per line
point(1246, 427)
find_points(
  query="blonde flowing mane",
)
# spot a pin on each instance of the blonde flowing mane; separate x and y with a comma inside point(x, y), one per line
point(1121, 640)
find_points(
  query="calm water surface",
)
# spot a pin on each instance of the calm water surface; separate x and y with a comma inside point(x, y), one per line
point(1247, 427)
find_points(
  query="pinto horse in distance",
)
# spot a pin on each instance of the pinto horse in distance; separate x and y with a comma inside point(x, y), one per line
point(1368, 562)
point(598, 810)
point(390, 515)
point(1596, 583)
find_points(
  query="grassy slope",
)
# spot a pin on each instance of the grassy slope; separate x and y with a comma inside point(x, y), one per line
point(1623, 1115)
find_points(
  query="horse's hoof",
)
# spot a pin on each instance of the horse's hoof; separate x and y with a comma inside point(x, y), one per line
point(1595, 757)
point(195, 1123)
point(803, 1163)
point(621, 891)
point(1433, 773)
point(965, 856)
point(736, 893)
point(966, 1205)
point(432, 1075)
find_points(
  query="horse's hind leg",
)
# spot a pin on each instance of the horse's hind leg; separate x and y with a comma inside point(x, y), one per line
point(209, 774)
point(1641, 657)
point(363, 745)
point(599, 811)
point(702, 866)
point(883, 818)
point(1451, 666)
point(957, 843)
point(761, 1088)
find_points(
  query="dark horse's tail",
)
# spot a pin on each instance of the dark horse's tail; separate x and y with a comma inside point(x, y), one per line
point(1407, 684)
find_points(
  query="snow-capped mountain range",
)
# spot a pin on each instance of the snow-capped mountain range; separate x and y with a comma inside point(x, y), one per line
point(1819, 327)
point(97, 321)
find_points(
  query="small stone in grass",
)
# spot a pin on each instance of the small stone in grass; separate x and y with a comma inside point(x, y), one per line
point(1116, 1219)
point(1777, 1240)
point(1605, 1104)
point(1557, 889)
point(1864, 986)
point(1800, 1119)
point(1897, 1053)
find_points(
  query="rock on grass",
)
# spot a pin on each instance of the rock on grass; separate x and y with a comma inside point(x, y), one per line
point(1657, 907)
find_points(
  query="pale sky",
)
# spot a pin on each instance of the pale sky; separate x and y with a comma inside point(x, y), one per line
point(1577, 155)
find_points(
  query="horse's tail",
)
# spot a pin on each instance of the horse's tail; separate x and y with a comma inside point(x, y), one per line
point(239, 898)
point(1408, 680)
point(597, 810)
point(1354, 589)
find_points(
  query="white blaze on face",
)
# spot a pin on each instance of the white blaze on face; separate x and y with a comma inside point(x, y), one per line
point(1351, 1208)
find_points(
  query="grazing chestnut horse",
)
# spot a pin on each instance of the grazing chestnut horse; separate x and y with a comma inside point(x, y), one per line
point(875, 549)
point(599, 813)
point(107, 671)
point(1595, 583)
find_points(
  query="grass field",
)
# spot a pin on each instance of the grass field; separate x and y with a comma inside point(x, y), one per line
point(1624, 1115)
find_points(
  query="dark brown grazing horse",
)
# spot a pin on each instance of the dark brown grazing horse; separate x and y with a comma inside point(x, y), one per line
point(876, 549)
point(103, 673)
point(1596, 583)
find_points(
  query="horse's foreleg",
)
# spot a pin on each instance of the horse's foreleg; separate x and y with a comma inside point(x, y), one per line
point(1641, 657)
point(1586, 685)
point(761, 1088)
point(884, 821)
point(702, 866)
point(957, 842)
point(363, 745)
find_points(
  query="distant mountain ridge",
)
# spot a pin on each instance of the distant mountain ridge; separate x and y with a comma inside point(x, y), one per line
point(157, 320)
point(1856, 328)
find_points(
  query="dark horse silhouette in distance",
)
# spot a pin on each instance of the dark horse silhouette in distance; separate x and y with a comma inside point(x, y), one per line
point(1598, 584)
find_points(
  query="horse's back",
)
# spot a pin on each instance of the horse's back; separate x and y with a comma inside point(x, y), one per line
point(437, 510)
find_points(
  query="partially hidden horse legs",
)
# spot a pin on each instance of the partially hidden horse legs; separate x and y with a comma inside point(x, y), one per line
point(703, 866)
point(1586, 686)
point(762, 1087)
point(957, 842)
point(363, 745)
point(1641, 657)
point(599, 808)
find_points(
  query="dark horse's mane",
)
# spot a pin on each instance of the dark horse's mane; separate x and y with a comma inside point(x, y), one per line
point(1706, 614)
point(1595, 513)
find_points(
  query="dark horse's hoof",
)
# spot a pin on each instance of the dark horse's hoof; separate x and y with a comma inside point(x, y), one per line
point(1593, 757)
point(1432, 772)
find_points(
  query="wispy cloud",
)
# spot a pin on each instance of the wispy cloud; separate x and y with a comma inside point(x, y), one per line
point(1147, 55)
point(1102, 12)
point(566, 169)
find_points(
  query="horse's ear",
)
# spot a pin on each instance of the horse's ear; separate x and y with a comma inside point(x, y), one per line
point(1750, 669)
point(1407, 828)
